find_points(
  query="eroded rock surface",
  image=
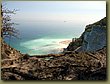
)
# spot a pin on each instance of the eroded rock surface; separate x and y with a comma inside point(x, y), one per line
point(72, 66)
point(92, 39)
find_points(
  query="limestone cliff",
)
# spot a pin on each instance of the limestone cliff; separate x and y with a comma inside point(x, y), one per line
point(92, 39)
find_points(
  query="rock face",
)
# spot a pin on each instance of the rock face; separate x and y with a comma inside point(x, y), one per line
point(69, 65)
point(93, 38)
point(8, 52)
point(73, 66)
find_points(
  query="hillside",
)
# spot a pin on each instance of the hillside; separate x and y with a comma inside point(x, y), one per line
point(70, 65)
point(92, 39)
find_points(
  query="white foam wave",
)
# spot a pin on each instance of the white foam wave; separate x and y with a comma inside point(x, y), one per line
point(43, 46)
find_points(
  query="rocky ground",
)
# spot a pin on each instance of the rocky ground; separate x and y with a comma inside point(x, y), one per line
point(67, 66)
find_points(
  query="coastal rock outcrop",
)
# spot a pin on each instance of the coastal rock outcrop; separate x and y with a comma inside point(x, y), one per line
point(92, 39)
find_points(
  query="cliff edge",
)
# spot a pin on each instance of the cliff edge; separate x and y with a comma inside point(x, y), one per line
point(92, 39)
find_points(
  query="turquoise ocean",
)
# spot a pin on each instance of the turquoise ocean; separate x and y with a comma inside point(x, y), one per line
point(44, 37)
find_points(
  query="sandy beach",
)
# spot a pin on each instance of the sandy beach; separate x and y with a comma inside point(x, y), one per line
point(65, 42)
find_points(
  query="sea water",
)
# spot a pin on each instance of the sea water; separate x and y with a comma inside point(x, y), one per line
point(44, 37)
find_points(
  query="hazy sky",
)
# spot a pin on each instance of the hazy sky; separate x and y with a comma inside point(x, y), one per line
point(83, 11)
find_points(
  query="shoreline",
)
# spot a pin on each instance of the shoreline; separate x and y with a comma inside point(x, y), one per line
point(65, 42)
point(55, 47)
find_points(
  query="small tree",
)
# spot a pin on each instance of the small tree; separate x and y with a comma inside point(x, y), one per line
point(8, 29)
